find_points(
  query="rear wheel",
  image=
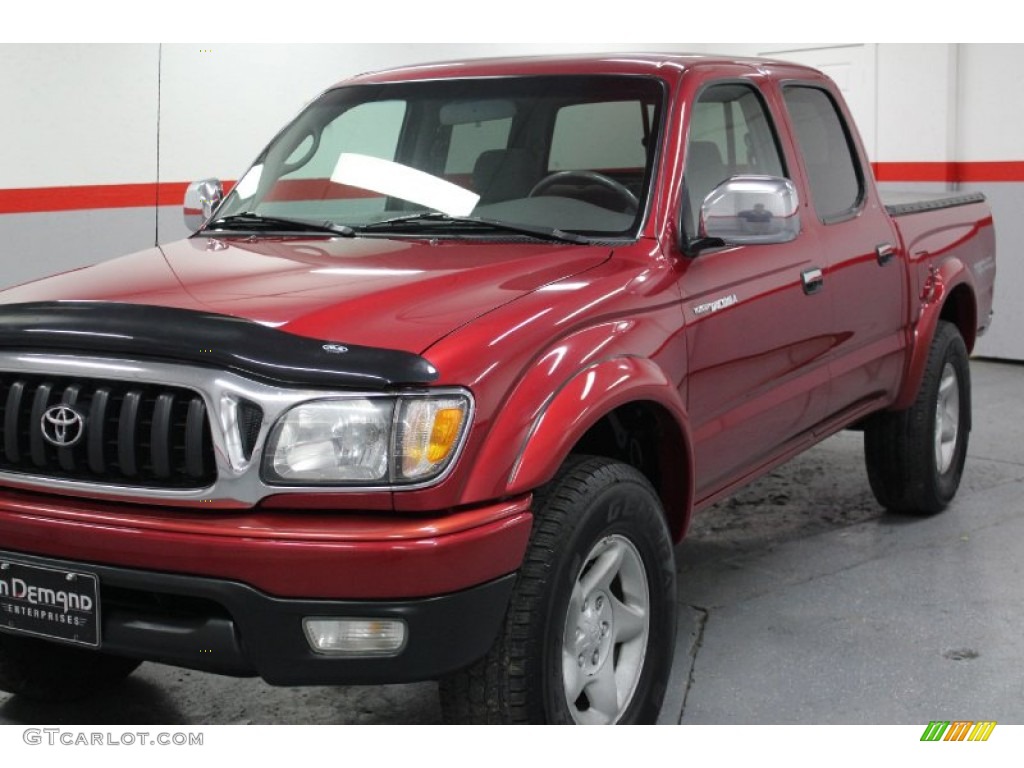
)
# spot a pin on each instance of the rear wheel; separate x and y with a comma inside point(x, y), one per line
point(915, 458)
point(589, 632)
point(37, 669)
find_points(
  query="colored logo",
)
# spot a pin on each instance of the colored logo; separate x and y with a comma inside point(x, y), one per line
point(958, 730)
point(62, 426)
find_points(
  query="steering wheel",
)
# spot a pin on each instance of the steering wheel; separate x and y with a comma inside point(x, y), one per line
point(630, 203)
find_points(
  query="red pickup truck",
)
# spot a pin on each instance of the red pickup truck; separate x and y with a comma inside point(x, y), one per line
point(433, 391)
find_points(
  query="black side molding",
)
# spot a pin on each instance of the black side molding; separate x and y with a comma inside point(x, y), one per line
point(906, 203)
point(203, 338)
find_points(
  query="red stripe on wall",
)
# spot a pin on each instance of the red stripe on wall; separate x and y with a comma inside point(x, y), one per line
point(77, 198)
point(89, 197)
point(950, 172)
point(173, 193)
point(913, 171)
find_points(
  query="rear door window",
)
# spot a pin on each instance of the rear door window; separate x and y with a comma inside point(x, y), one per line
point(833, 171)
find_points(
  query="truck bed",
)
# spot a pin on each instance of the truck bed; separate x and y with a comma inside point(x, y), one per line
point(948, 232)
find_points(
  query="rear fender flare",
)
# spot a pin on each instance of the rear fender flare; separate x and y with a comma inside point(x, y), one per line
point(935, 288)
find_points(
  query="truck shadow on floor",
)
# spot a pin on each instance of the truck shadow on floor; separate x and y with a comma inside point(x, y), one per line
point(135, 701)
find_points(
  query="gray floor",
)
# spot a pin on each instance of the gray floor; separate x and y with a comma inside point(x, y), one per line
point(800, 602)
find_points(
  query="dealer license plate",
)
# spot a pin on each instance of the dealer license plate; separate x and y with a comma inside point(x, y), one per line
point(49, 602)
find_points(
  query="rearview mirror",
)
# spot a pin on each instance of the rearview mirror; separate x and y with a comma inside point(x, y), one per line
point(479, 111)
point(750, 210)
point(201, 199)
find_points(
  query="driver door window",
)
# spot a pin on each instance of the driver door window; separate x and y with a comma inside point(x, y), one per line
point(730, 135)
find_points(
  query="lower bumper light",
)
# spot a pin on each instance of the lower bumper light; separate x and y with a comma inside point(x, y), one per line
point(355, 637)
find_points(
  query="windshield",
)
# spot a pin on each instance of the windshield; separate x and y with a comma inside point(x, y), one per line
point(565, 153)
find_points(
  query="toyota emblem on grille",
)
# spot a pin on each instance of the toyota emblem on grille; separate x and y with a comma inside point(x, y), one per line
point(62, 426)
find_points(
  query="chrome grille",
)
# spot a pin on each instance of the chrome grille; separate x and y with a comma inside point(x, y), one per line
point(134, 434)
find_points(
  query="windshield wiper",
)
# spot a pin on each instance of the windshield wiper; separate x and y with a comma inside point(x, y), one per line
point(428, 220)
point(254, 221)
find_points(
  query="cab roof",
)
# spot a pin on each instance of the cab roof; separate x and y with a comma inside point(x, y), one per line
point(662, 64)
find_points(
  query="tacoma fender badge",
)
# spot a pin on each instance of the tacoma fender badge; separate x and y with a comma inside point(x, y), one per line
point(716, 305)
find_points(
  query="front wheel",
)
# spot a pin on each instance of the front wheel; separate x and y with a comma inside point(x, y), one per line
point(590, 628)
point(915, 458)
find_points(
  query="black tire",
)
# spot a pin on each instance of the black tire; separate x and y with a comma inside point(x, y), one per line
point(596, 517)
point(45, 671)
point(909, 471)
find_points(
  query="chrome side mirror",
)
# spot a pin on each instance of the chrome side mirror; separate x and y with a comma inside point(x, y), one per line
point(201, 199)
point(751, 210)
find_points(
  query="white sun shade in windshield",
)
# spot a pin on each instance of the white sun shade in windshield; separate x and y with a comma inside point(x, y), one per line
point(247, 187)
point(397, 180)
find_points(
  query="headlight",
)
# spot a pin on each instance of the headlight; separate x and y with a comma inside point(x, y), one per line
point(366, 440)
point(331, 441)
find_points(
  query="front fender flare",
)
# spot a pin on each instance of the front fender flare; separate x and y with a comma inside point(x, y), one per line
point(589, 395)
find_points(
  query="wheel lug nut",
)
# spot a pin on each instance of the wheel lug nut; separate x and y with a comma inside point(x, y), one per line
point(598, 603)
point(595, 658)
point(584, 608)
point(604, 629)
point(581, 660)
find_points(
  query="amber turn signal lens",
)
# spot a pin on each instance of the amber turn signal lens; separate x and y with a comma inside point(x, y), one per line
point(429, 432)
point(447, 423)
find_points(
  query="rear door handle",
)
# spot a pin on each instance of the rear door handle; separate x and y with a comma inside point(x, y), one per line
point(885, 252)
point(813, 280)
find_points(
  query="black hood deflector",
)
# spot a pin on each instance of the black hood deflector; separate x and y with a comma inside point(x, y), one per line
point(204, 338)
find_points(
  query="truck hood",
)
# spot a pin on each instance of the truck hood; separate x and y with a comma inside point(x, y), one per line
point(396, 294)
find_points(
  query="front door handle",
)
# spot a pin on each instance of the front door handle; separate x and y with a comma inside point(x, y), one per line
point(813, 280)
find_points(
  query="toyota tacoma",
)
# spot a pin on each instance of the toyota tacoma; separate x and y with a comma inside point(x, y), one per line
point(433, 390)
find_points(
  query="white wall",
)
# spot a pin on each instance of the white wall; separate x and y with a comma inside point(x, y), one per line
point(991, 103)
point(77, 114)
point(916, 89)
point(990, 114)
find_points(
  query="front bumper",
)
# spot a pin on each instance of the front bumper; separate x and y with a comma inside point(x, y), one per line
point(230, 628)
point(284, 553)
point(226, 591)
